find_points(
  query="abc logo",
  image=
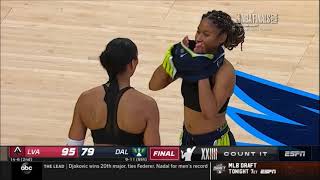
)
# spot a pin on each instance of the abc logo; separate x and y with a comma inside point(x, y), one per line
point(25, 168)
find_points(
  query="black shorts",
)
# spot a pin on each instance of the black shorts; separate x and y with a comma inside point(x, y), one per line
point(220, 137)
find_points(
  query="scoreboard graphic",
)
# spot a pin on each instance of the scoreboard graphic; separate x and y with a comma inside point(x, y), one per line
point(197, 162)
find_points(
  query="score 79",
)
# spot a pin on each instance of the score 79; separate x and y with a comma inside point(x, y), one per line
point(87, 151)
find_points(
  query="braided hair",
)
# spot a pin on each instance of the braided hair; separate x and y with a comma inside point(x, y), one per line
point(235, 32)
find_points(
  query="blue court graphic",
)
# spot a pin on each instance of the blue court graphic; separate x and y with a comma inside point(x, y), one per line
point(287, 116)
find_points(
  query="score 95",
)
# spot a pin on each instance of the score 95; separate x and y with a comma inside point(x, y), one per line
point(87, 151)
point(68, 152)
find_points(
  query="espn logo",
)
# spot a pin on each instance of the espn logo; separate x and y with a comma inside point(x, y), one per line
point(268, 171)
point(295, 154)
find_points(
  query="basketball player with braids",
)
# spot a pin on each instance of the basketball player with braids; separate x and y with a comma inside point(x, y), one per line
point(116, 113)
point(208, 78)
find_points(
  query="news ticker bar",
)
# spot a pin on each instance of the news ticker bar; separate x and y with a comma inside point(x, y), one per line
point(172, 170)
point(170, 153)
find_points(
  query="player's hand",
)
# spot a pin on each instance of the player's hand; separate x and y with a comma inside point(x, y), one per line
point(199, 48)
point(185, 41)
point(167, 63)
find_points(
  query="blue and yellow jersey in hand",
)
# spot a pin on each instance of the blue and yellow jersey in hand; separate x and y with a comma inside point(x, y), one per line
point(181, 61)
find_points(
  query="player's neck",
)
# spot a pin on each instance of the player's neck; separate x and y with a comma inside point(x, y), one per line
point(123, 81)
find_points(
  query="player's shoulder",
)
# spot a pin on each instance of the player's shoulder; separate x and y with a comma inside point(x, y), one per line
point(146, 100)
point(228, 64)
point(91, 94)
point(227, 68)
point(226, 74)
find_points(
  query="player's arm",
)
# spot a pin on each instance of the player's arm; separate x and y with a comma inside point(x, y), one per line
point(151, 133)
point(77, 130)
point(212, 99)
point(164, 74)
point(160, 79)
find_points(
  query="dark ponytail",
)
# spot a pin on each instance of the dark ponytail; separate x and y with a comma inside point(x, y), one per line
point(118, 53)
point(235, 31)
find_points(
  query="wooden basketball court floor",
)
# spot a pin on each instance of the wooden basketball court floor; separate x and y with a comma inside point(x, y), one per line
point(49, 53)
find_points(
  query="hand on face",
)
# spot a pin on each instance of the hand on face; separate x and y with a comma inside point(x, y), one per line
point(199, 48)
point(208, 37)
point(185, 41)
